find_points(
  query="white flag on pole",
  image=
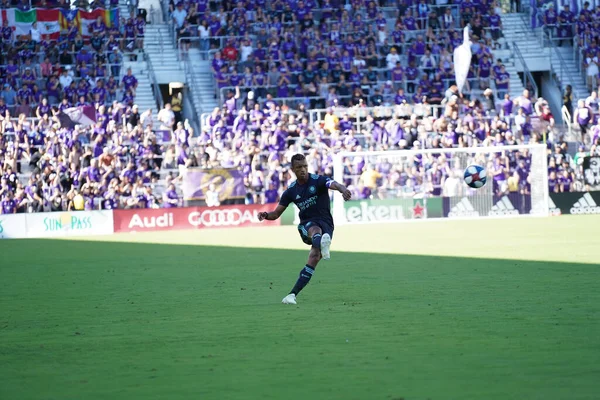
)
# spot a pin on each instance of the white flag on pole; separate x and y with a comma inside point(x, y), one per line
point(462, 60)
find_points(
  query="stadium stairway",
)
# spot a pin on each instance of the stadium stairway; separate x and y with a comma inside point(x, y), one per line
point(201, 82)
point(516, 31)
point(538, 58)
point(124, 9)
point(570, 74)
point(144, 97)
point(158, 45)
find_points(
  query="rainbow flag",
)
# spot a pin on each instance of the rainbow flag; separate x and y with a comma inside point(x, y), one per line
point(86, 18)
point(112, 17)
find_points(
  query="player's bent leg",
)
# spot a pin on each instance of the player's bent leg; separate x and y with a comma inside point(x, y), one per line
point(316, 234)
point(321, 239)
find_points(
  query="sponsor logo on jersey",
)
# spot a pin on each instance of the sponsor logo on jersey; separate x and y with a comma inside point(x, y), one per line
point(503, 207)
point(463, 208)
point(585, 205)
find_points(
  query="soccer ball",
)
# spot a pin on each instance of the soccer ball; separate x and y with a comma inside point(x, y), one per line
point(475, 176)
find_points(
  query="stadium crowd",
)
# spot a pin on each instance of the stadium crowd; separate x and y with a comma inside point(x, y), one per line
point(124, 161)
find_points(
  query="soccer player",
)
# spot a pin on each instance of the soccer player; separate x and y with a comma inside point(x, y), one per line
point(310, 193)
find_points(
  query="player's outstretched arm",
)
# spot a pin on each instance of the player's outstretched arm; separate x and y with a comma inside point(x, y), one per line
point(273, 215)
point(346, 194)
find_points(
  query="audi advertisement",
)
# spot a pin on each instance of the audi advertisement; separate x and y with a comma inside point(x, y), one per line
point(140, 220)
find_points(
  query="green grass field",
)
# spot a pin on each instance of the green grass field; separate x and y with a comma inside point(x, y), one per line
point(491, 309)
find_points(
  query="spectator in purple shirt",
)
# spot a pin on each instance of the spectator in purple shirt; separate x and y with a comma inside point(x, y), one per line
point(170, 197)
point(129, 82)
point(9, 205)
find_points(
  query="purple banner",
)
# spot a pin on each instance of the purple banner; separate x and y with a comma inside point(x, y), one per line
point(163, 136)
point(229, 183)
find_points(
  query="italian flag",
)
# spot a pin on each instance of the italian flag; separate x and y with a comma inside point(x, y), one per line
point(21, 21)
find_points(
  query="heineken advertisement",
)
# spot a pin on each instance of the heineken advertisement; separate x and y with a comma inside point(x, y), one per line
point(380, 210)
point(393, 209)
point(512, 204)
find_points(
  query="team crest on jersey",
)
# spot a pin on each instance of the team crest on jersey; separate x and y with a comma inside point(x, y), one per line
point(312, 189)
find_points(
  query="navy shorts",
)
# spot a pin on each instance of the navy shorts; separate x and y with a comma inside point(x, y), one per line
point(306, 225)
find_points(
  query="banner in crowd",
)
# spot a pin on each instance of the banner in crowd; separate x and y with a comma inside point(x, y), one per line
point(86, 18)
point(229, 183)
point(22, 21)
point(77, 223)
point(13, 226)
point(52, 21)
point(72, 116)
point(141, 220)
point(591, 171)
point(578, 203)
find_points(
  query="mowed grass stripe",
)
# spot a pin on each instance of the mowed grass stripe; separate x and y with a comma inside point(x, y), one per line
point(571, 238)
point(97, 320)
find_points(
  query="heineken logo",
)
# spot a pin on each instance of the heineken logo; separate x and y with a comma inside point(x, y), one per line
point(364, 212)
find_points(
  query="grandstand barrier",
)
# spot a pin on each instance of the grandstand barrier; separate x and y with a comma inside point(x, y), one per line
point(163, 219)
point(577, 203)
point(56, 224)
point(397, 210)
point(13, 226)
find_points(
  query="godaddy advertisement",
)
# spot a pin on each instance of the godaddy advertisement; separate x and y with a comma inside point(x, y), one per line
point(69, 223)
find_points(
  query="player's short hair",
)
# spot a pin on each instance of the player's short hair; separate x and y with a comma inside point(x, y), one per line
point(298, 157)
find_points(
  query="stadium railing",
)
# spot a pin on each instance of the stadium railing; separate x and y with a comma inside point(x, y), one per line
point(192, 85)
point(528, 80)
point(473, 82)
point(155, 88)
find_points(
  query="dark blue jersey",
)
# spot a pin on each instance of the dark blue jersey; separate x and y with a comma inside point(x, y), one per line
point(312, 198)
